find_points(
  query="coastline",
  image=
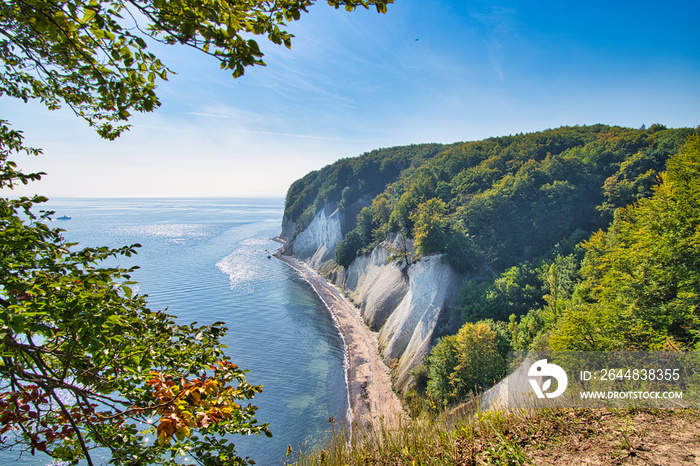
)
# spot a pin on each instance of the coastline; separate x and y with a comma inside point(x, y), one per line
point(372, 401)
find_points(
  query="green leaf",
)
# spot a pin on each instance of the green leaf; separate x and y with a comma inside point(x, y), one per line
point(96, 342)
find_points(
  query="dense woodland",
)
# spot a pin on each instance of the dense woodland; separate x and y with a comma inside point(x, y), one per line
point(576, 238)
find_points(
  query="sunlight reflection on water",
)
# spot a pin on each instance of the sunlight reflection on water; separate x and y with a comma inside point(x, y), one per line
point(207, 260)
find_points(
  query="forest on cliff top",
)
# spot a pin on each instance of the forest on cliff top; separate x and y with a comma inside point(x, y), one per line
point(575, 238)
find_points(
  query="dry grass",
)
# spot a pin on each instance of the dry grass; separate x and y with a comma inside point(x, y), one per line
point(546, 437)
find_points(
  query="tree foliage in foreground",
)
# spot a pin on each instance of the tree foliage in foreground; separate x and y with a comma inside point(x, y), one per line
point(84, 364)
point(93, 55)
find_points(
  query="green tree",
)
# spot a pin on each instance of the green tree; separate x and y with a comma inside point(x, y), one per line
point(468, 362)
point(92, 55)
point(84, 363)
point(531, 332)
point(381, 209)
point(480, 360)
point(515, 291)
point(400, 218)
point(346, 250)
point(461, 250)
point(643, 274)
point(441, 365)
point(430, 224)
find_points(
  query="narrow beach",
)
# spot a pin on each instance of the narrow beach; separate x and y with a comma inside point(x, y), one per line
point(372, 400)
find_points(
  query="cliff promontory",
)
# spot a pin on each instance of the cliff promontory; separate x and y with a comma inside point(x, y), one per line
point(408, 307)
point(425, 238)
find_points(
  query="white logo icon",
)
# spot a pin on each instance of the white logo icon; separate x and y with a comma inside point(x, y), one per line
point(542, 369)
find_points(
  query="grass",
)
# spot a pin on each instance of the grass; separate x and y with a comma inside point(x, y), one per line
point(507, 438)
point(493, 436)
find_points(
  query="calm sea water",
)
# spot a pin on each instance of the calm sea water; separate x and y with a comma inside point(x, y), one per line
point(206, 260)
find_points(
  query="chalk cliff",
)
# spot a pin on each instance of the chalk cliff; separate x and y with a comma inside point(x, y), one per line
point(316, 244)
point(408, 306)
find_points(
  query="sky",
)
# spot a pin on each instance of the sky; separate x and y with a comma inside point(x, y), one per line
point(427, 71)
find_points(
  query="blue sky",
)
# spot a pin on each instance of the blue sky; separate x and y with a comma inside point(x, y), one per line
point(427, 71)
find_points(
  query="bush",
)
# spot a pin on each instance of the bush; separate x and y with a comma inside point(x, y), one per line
point(468, 362)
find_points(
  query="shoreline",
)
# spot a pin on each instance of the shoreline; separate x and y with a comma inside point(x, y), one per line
point(371, 398)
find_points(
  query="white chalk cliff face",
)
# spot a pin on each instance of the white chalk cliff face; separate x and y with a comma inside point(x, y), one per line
point(408, 307)
point(316, 244)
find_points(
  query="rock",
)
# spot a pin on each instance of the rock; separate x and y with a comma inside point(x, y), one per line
point(316, 244)
point(409, 308)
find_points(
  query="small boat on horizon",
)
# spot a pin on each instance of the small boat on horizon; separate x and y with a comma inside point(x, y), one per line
point(65, 217)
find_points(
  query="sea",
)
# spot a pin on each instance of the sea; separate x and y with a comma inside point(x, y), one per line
point(208, 260)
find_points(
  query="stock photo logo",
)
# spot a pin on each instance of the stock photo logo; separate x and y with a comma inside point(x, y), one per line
point(543, 372)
